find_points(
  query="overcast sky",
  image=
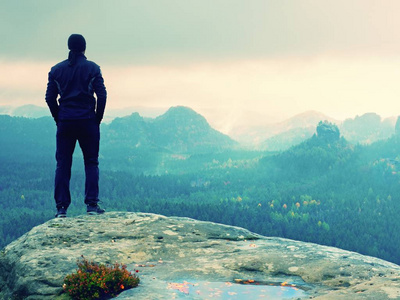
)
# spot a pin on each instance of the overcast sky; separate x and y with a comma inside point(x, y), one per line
point(226, 59)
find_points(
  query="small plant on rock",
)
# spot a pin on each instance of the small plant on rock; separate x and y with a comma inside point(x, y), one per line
point(98, 281)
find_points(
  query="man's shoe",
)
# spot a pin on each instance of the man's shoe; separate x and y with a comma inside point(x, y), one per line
point(61, 212)
point(95, 210)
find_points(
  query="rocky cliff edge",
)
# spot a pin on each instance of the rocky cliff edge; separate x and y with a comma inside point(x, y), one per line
point(175, 254)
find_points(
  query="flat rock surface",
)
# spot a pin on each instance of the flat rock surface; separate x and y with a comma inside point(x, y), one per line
point(181, 258)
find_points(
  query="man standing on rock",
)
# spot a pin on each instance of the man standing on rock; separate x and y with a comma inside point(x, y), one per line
point(78, 116)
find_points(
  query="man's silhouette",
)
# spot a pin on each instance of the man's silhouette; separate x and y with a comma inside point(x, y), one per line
point(78, 116)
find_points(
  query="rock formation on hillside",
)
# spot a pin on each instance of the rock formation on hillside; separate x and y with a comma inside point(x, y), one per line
point(177, 256)
point(328, 131)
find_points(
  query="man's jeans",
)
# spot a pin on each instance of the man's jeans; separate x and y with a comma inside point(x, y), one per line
point(87, 133)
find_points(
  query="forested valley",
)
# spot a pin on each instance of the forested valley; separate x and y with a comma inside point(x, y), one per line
point(324, 190)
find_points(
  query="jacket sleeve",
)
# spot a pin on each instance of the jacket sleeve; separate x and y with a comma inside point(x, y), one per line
point(51, 97)
point(101, 94)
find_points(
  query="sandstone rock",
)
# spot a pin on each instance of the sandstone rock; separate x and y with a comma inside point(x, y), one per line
point(171, 250)
point(328, 131)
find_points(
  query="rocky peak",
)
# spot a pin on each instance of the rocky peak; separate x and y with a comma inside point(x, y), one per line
point(180, 117)
point(328, 131)
point(173, 252)
point(182, 130)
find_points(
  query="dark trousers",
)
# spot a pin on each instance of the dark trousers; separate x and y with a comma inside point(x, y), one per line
point(87, 133)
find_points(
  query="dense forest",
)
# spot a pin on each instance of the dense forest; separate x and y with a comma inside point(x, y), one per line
point(323, 190)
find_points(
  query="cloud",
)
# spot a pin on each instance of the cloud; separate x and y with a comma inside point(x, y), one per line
point(199, 30)
point(22, 82)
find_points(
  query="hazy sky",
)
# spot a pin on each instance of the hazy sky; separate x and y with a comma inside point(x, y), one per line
point(226, 59)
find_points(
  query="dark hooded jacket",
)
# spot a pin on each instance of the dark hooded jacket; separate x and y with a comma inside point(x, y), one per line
point(76, 84)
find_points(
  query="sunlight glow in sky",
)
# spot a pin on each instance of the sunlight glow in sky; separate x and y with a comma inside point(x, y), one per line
point(234, 62)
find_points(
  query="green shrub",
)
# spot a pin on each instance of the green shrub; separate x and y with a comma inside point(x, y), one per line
point(98, 281)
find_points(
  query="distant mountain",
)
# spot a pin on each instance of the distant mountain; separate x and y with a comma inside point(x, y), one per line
point(131, 130)
point(27, 111)
point(132, 142)
point(26, 135)
point(314, 156)
point(112, 113)
point(287, 139)
point(307, 119)
point(160, 145)
point(367, 128)
point(35, 111)
point(282, 135)
point(180, 130)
